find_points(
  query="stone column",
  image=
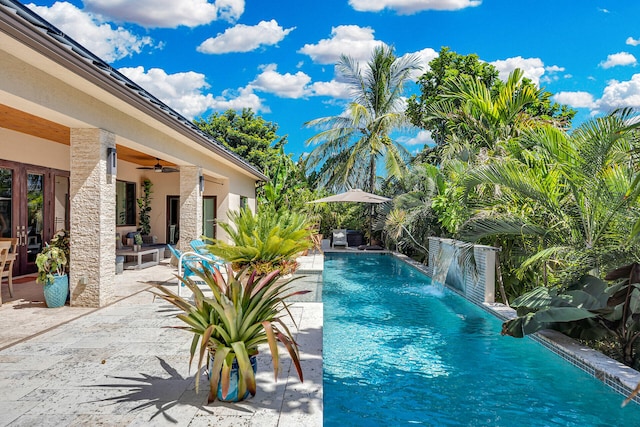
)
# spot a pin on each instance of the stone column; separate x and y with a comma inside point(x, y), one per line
point(190, 206)
point(93, 221)
point(490, 276)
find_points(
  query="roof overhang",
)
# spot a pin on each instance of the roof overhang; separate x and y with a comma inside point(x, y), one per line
point(106, 83)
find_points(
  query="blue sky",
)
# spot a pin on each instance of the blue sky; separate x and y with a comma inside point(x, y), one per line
point(278, 57)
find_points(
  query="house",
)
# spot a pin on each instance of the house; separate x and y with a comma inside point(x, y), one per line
point(77, 139)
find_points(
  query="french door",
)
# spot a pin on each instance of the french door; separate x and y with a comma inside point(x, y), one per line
point(34, 204)
point(209, 212)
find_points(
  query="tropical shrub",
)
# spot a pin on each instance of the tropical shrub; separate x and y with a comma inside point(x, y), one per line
point(266, 241)
point(588, 309)
point(229, 325)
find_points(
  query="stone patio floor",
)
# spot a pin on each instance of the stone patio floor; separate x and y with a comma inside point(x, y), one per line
point(120, 366)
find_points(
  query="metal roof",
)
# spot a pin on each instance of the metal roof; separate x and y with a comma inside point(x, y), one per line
point(108, 74)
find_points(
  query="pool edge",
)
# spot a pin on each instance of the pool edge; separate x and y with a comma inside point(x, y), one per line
point(619, 377)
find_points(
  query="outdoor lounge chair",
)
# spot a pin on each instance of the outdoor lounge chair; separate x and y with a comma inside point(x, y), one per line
point(339, 238)
point(7, 270)
point(188, 264)
point(200, 247)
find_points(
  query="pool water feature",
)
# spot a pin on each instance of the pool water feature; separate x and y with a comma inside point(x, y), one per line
point(399, 350)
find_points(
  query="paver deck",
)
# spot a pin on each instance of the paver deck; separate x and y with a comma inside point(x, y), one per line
point(121, 365)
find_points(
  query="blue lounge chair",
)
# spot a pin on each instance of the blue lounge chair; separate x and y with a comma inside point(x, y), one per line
point(200, 247)
point(188, 264)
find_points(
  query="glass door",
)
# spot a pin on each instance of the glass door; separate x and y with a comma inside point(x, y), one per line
point(34, 204)
point(173, 219)
point(35, 217)
point(209, 216)
point(6, 202)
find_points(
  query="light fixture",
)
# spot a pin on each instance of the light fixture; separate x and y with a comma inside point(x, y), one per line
point(112, 161)
point(201, 179)
point(157, 168)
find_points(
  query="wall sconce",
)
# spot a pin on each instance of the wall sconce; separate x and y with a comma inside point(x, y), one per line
point(201, 182)
point(112, 161)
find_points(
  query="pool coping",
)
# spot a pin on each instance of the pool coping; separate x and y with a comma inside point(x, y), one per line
point(619, 377)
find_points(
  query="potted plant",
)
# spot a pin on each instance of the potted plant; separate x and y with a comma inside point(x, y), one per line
point(231, 323)
point(266, 241)
point(52, 264)
point(144, 204)
point(137, 242)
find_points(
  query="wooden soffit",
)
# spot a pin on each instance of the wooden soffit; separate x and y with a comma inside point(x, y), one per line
point(22, 122)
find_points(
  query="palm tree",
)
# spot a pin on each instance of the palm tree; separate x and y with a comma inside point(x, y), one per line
point(566, 199)
point(351, 144)
point(483, 120)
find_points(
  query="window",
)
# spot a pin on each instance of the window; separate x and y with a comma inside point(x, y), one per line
point(125, 203)
point(244, 202)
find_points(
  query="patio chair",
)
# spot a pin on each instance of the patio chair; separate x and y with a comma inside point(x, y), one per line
point(188, 264)
point(210, 261)
point(339, 238)
point(4, 256)
point(7, 270)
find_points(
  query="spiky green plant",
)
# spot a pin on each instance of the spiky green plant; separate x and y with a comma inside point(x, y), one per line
point(233, 321)
point(265, 241)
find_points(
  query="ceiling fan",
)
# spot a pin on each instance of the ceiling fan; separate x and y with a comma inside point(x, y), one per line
point(158, 168)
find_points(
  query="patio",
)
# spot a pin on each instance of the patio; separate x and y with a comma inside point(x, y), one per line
point(119, 365)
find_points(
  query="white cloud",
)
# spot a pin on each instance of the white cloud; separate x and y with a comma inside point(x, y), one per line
point(574, 99)
point(533, 67)
point(620, 94)
point(425, 56)
point(167, 13)
point(105, 41)
point(620, 58)
point(184, 92)
point(283, 85)
point(633, 42)
point(422, 138)
point(357, 42)
point(239, 99)
point(552, 75)
point(407, 7)
point(333, 89)
point(297, 85)
point(554, 69)
point(245, 38)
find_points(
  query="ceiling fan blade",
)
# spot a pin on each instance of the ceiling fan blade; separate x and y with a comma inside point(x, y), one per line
point(145, 168)
point(167, 169)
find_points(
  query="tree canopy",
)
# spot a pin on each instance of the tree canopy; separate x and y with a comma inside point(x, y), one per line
point(247, 135)
point(350, 144)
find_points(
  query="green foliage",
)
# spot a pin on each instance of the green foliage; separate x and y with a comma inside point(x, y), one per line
point(233, 321)
point(265, 241)
point(247, 135)
point(50, 261)
point(587, 309)
point(287, 188)
point(446, 66)
point(144, 205)
point(562, 198)
point(350, 145)
point(448, 70)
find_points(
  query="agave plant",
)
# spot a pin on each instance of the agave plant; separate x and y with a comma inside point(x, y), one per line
point(229, 325)
point(265, 241)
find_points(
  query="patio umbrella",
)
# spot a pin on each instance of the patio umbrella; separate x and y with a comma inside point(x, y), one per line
point(356, 196)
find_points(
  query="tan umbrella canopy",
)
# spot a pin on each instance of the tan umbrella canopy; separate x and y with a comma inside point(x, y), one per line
point(355, 195)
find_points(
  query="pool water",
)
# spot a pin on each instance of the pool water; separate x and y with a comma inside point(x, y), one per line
point(399, 350)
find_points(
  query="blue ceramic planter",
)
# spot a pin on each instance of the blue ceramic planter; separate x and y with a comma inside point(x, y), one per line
point(232, 395)
point(55, 293)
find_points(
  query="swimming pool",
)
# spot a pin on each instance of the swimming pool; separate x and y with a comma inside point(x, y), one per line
point(399, 350)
